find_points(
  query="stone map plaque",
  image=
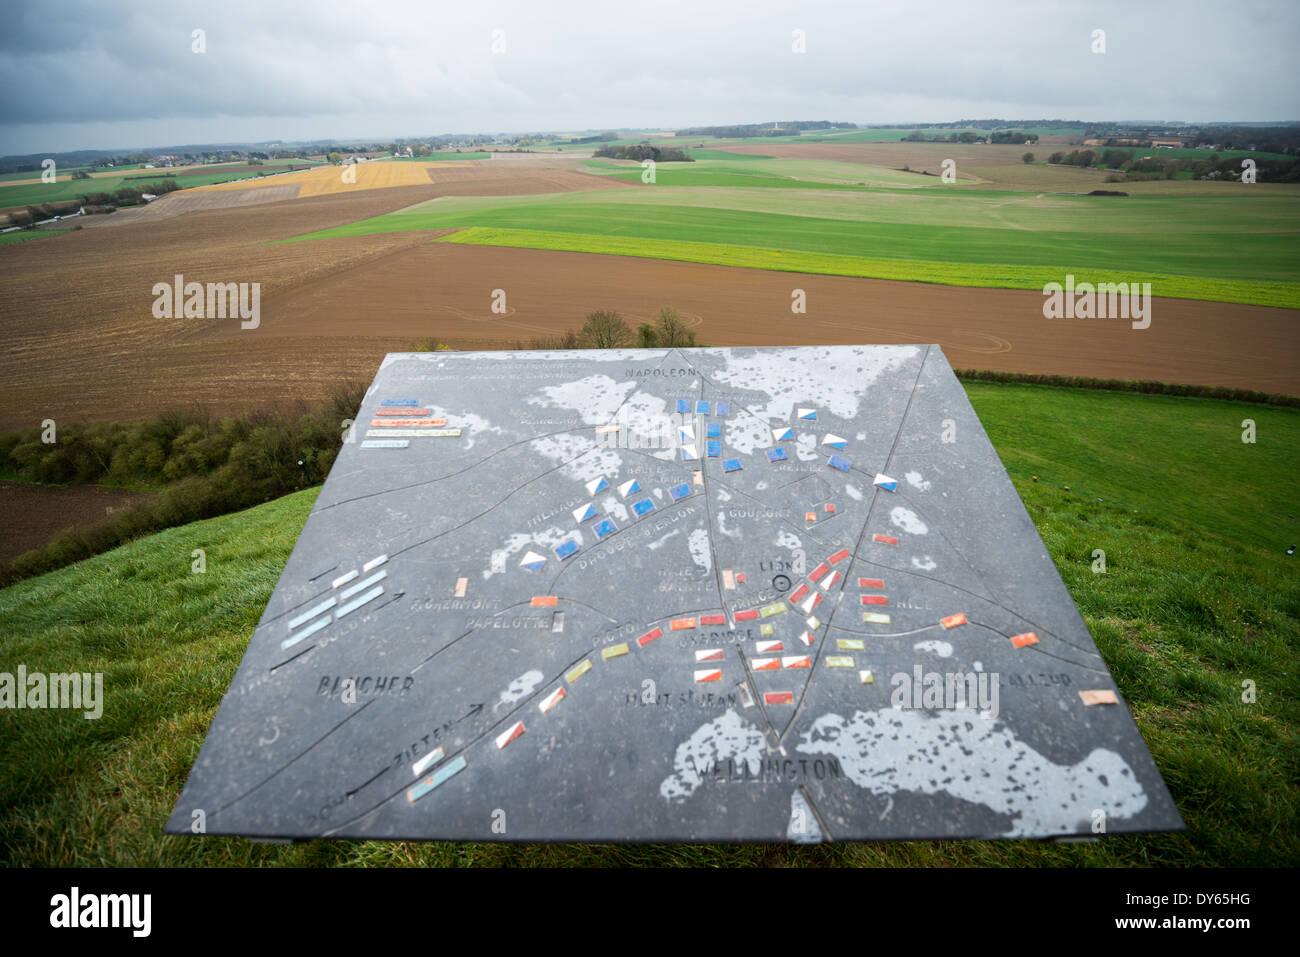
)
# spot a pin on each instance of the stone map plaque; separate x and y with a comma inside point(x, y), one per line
point(760, 594)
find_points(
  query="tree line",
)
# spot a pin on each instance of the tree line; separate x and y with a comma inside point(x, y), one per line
point(644, 151)
point(967, 136)
point(764, 129)
point(1128, 168)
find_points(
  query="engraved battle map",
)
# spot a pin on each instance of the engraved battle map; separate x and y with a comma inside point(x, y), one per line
point(754, 594)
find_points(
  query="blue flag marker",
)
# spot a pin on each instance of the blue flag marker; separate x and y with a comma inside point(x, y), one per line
point(885, 482)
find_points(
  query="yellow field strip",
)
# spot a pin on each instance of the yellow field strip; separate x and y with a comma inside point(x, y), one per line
point(327, 180)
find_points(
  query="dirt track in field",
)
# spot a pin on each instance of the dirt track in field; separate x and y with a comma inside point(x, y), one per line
point(82, 343)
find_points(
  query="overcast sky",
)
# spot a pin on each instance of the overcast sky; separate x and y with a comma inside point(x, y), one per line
point(89, 74)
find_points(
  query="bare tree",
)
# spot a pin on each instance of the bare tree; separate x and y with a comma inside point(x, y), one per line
point(605, 329)
point(672, 329)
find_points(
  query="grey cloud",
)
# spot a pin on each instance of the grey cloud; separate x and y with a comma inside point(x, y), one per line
point(428, 66)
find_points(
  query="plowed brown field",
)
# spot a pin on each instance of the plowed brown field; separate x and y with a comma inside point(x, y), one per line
point(31, 515)
point(82, 343)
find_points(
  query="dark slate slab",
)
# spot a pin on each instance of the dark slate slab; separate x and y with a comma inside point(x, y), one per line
point(412, 677)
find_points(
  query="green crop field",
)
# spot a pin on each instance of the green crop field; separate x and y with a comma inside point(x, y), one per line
point(707, 173)
point(65, 190)
point(765, 172)
point(711, 154)
point(23, 235)
point(64, 172)
point(1196, 598)
point(962, 237)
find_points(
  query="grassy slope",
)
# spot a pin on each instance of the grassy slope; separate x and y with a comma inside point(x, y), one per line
point(679, 174)
point(964, 237)
point(1188, 608)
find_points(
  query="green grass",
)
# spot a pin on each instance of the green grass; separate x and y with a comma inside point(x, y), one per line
point(22, 235)
point(1191, 605)
point(1080, 438)
point(977, 237)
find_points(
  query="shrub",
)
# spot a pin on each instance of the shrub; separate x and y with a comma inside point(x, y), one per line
point(213, 466)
